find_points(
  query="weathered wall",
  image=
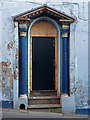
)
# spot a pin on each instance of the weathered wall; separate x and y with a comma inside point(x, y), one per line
point(78, 46)
point(0, 51)
point(79, 55)
point(89, 55)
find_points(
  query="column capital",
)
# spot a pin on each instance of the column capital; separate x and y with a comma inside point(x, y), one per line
point(65, 26)
point(23, 29)
point(22, 25)
point(65, 30)
point(23, 96)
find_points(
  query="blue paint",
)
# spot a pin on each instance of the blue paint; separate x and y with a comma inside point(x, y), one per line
point(6, 104)
point(27, 65)
point(22, 64)
point(22, 30)
point(65, 66)
point(65, 30)
point(84, 111)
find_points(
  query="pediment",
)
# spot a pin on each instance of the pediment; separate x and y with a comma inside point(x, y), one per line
point(44, 11)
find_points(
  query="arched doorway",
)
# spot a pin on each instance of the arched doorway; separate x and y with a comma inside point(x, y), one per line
point(57, 27)
point(43, 56)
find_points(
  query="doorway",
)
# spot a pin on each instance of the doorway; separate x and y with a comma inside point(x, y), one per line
point(43, 63)
point(43, 32)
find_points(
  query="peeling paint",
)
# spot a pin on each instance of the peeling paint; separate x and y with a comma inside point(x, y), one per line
point(88, 102)
point(7, 79)
point(10, 45)
point(82, 96)
point(16, 53)
point(16, 73)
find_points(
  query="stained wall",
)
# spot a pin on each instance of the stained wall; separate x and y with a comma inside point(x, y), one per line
point(78, 46)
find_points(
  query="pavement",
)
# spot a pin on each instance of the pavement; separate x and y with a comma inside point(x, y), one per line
point(13, 113)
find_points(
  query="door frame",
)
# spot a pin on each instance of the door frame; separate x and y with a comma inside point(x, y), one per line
point(58, 27)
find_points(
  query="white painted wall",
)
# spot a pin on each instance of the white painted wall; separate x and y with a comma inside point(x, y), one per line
point(78, 42)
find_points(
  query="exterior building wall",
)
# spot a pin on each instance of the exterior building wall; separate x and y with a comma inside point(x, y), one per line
point(78, 49)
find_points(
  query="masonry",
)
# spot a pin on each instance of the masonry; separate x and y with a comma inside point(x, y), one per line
point(13, 30)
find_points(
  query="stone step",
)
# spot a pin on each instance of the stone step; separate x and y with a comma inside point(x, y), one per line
point(46, 108)
point(43, 100)
point(43, 93)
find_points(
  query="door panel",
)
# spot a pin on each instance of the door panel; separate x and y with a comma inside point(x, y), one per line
point(43, 63)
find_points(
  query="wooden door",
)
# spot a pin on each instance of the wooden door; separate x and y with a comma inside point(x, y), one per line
point(43, 63)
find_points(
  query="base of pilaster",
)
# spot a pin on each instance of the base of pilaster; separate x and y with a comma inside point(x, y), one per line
point(23, 96)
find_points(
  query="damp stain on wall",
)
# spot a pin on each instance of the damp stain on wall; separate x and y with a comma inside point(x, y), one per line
point(88, 102)
point(16, 53)
point(10, 45)
point(16, 73)
point(6, 80)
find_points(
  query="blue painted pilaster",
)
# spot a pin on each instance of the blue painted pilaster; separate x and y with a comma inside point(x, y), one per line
point(65, 60)
point(22, 60)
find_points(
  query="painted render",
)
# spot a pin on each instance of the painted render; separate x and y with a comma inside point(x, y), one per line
point(78, 98)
